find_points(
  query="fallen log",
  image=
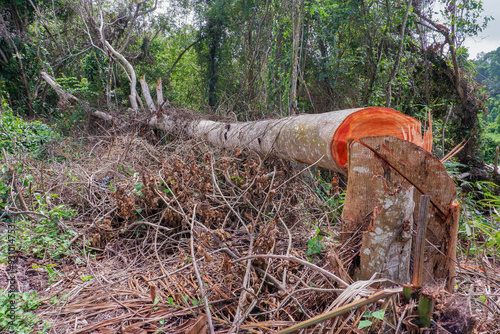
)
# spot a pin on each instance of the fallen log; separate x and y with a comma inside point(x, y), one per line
point(319, 139)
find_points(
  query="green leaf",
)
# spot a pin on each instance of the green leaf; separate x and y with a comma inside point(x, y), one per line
point(364, 323)
point(379, 314)
point(157, 300)
point(138, 186)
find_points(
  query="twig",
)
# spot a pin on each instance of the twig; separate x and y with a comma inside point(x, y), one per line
point(11, 172)
point(300, 172)
point(296, 259)
point(15, 213)
point(343, 309)
point(285, 269)
point(238, 320)
point(200, 281)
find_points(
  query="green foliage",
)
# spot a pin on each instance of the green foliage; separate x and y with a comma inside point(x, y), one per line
point(489, 143)
point(24, 320)
point(44, 237)
point(79, 88)
point(480, 218)
point(184, 82)
point(331, 194)
point(315, 245)
point(488, 75)
point(18, 135)
point(367, 323)
point(4, 186)
point(51, 272)
point(95, 73)
point(466, 16)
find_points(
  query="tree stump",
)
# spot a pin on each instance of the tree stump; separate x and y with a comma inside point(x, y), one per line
point(387, 175)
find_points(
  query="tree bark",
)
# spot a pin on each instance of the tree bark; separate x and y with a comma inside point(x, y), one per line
point(395, 68)
point(296, 39)
point(382, 173)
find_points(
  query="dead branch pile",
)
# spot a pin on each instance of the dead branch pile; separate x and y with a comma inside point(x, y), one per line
point(142, 205)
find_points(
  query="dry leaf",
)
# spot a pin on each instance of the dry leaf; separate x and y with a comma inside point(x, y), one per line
point(200, 327)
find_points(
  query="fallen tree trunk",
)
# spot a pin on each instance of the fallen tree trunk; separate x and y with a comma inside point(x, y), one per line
point(319, 139)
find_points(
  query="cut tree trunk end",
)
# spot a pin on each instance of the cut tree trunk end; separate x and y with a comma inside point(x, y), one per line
point(387, 176)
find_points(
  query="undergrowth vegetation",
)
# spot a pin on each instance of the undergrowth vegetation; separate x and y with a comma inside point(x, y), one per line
point(88, 216)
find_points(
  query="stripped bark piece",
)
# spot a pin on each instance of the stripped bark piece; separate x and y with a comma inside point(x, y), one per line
point(386, 246)
point(200, 327)
point(378, 208)
point(418, 258)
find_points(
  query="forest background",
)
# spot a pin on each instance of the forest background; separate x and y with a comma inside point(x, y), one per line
point(248, 59)
point(255, 59)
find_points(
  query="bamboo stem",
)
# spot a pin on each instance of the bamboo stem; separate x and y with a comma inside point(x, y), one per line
point(343, 309)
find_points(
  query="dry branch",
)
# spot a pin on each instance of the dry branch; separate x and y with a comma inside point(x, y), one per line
point(344, 309)
point(147, 95)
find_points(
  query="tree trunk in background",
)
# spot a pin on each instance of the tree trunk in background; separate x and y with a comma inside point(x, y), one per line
point(214, 36)
point(296, 45)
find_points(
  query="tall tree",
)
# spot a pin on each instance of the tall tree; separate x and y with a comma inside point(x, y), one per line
point(19, 53)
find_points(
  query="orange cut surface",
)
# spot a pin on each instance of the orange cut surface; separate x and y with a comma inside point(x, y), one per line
point(378, 121)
